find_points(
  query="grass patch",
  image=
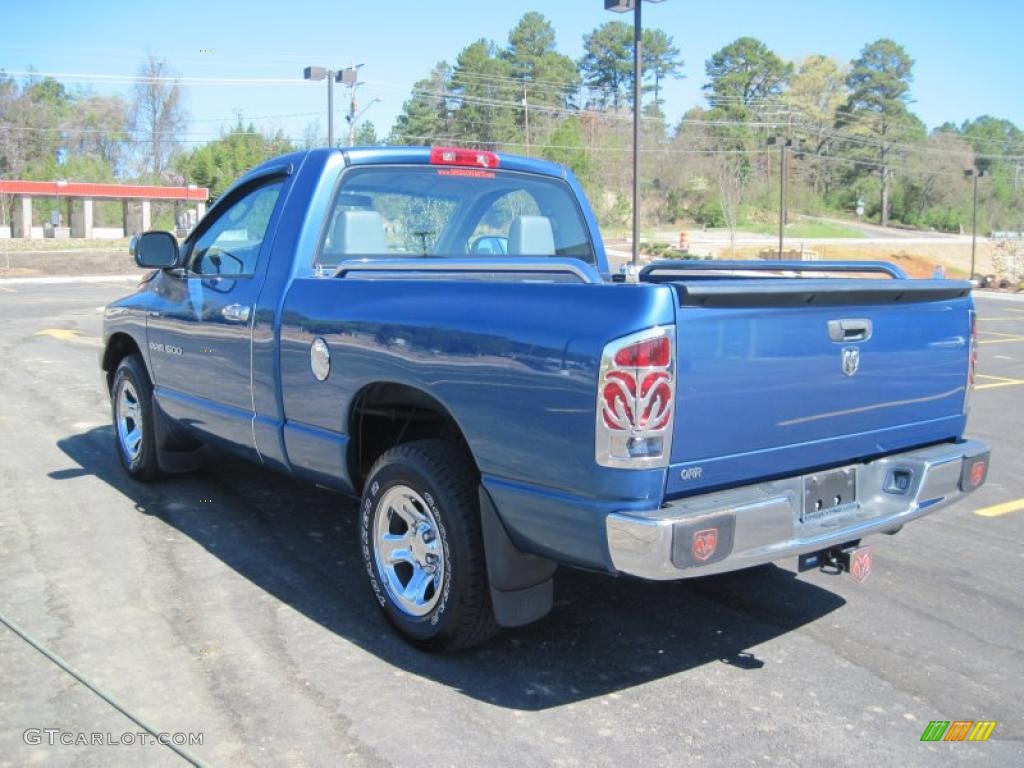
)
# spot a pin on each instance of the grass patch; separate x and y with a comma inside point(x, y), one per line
point(41, 245)
point(807, 229)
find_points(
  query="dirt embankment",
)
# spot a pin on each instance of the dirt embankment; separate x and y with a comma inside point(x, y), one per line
point(916, 259)
point(36, 258)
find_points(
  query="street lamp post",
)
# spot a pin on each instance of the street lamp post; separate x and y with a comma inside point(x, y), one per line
point(322, 73)
point(975, 174)
point(345, 76)
point(622, 6)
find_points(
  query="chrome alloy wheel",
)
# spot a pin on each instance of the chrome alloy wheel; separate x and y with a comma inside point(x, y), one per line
point(408, 550)
point(128, 420)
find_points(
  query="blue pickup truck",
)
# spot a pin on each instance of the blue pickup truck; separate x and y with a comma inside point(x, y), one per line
point(436, 331)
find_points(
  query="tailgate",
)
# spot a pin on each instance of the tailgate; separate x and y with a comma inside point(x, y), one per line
point(780, 376)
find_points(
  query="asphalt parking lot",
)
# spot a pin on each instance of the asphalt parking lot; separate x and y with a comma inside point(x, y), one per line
point(232, 604)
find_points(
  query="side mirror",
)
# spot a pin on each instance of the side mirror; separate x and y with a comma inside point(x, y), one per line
point(156, 250)
point(490, 245)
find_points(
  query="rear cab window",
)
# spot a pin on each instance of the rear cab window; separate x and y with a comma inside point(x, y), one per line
point(430, 211)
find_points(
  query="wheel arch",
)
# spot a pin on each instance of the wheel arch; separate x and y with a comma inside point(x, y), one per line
point(119, 346)
point(384, 414)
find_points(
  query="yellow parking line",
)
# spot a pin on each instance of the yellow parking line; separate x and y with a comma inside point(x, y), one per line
point(997, 333)
point(1000, 384)
point(1000, 381)
point(64, 334)
point(1001, 509)
point(998, 378)
point(1002, 341)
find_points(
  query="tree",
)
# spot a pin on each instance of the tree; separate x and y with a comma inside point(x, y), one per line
point(424, 115)
point(565, 146)
point(991, 137)
point(312, 135)
point(532, 38)
point(220, 162)
point(535, 60)
point(98, 129)
point(366, 134)
point(732, 174)
point(816, 92)
point(742, 76)
point(999, 151)
point(488, 98)
point(879, 83)
point(661, 60)
point(931, 191)
point(157, 114)
point(33, 117)
point(607, 63)
point(546, 77)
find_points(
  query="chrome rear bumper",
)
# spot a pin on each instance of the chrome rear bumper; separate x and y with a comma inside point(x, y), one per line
point(755, 524)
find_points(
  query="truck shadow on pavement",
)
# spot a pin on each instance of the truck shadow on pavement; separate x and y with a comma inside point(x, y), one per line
point(300, 544)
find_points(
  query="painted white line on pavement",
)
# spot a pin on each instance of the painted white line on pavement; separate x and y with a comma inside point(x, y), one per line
point(1000, 297)
point(67, 280)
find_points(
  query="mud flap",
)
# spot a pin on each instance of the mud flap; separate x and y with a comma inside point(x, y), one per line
point(176, 453)
point(521, 585)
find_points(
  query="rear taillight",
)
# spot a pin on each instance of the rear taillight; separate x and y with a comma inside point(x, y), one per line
point(972, 360)
point(473, 158)
point(636, 400)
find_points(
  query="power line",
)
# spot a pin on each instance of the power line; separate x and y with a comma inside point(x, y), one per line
point(786, 110)
point(80, 77)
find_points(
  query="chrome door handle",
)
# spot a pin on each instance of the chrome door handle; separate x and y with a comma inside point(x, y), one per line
point(854, 329)
point(236, 313)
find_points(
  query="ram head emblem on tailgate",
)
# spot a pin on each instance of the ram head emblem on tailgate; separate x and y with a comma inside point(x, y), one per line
point(851, 360)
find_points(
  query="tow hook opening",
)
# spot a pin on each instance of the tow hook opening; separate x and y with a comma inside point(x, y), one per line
point(851, 558)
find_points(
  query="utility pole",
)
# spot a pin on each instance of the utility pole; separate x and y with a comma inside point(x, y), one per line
point(975, 174)
point(353, 105)
point(526, 107)
point(782, 196)
point(784, 145)
point(353, 118)
point(637, 76)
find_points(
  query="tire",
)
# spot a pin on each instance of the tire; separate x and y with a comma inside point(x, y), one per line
point(422, 545)
point(131, 405)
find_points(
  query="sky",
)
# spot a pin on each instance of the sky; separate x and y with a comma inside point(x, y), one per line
point(968, 60)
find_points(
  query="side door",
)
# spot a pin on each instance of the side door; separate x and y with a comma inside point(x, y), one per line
point(200, 340)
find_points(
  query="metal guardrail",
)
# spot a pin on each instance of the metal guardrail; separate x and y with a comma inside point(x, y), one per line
point(524, 265)
point(703, 265)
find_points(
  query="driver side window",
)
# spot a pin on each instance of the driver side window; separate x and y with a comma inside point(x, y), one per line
point(231, 245)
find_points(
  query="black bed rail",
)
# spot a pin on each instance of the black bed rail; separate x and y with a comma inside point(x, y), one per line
point(414, 267)
point(696, 266)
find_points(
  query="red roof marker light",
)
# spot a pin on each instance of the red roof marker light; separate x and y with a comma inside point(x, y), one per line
point(474, 158)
